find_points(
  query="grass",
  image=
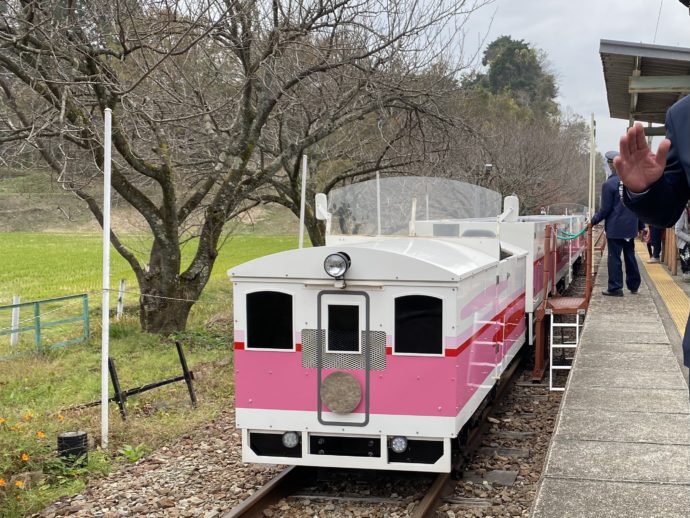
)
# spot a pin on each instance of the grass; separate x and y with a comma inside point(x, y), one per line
point(51, 265)
point(39, 393)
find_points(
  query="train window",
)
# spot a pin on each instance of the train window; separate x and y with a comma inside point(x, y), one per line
point(343, 329)
point(418, 325)
point(269, 320)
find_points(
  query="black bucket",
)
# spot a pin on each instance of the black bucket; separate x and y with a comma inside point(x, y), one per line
point(73, 446)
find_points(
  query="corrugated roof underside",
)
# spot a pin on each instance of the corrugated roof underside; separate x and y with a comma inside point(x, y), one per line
point(619, 67)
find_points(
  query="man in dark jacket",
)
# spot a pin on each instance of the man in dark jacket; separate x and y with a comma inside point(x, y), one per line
point(621, 226)
point(657, 186)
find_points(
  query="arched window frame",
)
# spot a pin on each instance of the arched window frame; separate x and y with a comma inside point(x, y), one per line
point(269, 323)
point(397, 332)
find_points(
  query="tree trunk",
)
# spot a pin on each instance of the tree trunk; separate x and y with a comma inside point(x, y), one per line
point(166, 296)
point(163, 316)
point(316, 229)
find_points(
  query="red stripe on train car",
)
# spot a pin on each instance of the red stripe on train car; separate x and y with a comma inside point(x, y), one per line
point(239, 345)
point(497, 319)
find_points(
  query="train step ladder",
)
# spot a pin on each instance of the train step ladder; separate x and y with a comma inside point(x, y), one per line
point(558, 341)
point(556, 305)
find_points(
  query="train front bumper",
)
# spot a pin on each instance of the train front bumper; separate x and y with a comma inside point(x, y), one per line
point(347, 451)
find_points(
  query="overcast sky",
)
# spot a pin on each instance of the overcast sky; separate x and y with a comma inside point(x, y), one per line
point(569, 32)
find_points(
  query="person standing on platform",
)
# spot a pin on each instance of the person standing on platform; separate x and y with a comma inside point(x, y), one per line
point(655, 238)
point(657, 186)
point(646, 239)
point(621, 226)
point(682, 231)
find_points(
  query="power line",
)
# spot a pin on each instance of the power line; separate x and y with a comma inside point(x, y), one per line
point(160, 296)
point(657, 21)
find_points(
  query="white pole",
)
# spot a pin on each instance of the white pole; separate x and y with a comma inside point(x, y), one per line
point(14, 337)
point(589, 172)
point(120, 299)
point(301, 206)
point(413, 218)
point(592, 180)
point(105, 306)
point(378, 204)
point(592, 167)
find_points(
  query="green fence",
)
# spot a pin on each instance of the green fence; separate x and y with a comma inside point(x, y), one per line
point(48, 323)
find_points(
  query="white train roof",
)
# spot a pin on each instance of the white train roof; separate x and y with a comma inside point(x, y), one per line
point(391, 259)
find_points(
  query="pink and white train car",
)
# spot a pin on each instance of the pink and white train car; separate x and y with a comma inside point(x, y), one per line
point(527, 233)
point(376, 350)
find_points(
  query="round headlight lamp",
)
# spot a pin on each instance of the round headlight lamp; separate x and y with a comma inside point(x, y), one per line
point(290, 439)
point(399, 444)
point(337, 264)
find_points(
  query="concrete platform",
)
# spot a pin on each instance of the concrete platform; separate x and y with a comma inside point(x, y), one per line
point(621, 445)
point(605, 499)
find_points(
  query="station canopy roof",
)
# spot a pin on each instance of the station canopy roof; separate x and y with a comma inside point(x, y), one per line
point(643, 81)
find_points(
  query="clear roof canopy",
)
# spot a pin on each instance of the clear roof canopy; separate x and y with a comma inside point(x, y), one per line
point(385, 207)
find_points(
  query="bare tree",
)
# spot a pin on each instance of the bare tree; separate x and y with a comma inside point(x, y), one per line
point(544, 160)
point(202, 92)
point(397, 142)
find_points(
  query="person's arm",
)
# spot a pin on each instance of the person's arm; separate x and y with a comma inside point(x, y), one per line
point(663, 200)
point(608, 197)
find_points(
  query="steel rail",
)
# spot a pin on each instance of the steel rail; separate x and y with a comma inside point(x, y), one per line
point(427, 505)
point(278, 487)
point(444, 482)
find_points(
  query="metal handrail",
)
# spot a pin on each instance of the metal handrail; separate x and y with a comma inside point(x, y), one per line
point(38, 321)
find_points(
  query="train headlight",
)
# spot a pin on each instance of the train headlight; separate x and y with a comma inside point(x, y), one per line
point(399, 444)
point(337, 264)
point(290, 439)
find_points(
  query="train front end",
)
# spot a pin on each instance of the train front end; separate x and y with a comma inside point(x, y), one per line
point(374, 351)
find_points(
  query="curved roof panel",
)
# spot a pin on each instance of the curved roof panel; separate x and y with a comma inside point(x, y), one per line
point(403, 259)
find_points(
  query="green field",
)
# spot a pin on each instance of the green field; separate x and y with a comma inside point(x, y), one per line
point(38, 391)
point(36, 265)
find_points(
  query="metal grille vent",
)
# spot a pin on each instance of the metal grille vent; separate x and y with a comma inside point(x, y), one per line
point(343, 341)
point(377, 348)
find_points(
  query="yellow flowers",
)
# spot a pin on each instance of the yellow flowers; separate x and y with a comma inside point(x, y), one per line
point(28, 416)
point(19, 484)
point(25, 457)
point(60, 417)
point(40, 435)
point(2, 420)
point(2, 482)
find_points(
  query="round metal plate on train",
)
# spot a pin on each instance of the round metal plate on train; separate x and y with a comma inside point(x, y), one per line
point(340, 392)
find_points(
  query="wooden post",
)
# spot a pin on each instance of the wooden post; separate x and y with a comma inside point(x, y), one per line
point(120, 300)
point(671, 251)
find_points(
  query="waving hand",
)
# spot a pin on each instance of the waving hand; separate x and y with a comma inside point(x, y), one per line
point(637, 167)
